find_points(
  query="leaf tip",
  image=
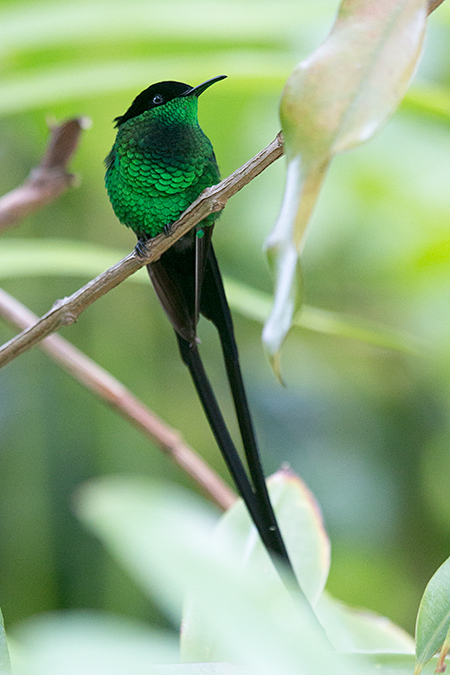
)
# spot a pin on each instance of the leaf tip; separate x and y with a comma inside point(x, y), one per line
point(275, 362)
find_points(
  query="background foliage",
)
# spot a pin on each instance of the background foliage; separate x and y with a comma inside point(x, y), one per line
point(366, 428)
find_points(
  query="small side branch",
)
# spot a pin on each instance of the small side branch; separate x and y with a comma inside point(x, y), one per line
point(433, 4)
point(66, 311)
point(46, 181)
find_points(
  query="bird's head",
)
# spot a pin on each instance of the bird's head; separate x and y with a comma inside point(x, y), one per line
point(161, 93)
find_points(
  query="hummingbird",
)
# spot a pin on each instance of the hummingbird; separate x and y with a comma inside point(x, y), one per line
point(161, 161)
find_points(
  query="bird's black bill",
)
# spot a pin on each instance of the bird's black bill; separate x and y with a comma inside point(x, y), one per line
point(200, 88)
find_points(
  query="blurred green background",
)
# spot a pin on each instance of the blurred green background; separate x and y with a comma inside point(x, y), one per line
point(367, 428)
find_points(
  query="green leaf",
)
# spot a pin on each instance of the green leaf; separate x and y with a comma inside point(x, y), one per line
point(427, 99)
point(61, 257)
point(88, 642)
point(335, 99)
point(255, 304)
point(343, 325)
point(358, 630)
point(229, 40)
point(389, 664)
point(5, 665)
point(309, 550)
point(31, 26)
point(202, 669)
point(55, 257)
point(162, 535)
point(303, 529)
point(433, 618)
point(31, 90)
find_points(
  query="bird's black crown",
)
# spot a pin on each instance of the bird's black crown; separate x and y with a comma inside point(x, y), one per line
point(152, 97)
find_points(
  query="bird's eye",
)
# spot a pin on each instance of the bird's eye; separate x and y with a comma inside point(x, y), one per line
point(158, 99)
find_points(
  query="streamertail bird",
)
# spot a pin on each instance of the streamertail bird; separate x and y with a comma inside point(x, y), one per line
point(161, 161)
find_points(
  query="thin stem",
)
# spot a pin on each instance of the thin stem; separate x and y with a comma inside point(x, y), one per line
point(118, 397)
point(49, 179)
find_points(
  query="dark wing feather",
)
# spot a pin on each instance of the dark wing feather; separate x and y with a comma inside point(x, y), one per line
point(172, 298)
point(178, 278)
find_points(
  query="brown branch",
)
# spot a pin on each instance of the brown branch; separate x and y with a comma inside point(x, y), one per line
point(118, 397)
point(433, 4)
point(46, 181)
point(66, 311)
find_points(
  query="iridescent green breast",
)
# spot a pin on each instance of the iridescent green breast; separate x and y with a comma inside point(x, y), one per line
point(159, 164)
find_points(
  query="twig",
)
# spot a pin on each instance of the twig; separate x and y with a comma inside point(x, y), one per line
point(66, 311)
point(46, 181)
point(433, 4)
point(118, 397)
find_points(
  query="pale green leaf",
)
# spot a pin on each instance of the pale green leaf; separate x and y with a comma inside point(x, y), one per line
point(301, 524)
point(358, 630)
point(373, 664)
point(390, 664)
point(5, 665)
point(201, 669)
point(55, 257)
point(427, 99)
point(433, 618)
point(61, 257)
point(27, 26)
point(162, 535)
point(343, 325)
point(91, 643)
point(336, 99)
point(165, 31)
point(303, 529)
point(246, 69)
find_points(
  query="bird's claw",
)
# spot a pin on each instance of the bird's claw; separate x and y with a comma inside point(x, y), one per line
point(141, 248)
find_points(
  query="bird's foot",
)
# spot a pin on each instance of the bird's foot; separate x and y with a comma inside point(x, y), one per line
point(141, 249)
point(167, 229)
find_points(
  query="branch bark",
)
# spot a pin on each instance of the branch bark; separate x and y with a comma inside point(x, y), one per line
point(433, 4)
point(117, 396)
point(65, 312)
point(49, 179)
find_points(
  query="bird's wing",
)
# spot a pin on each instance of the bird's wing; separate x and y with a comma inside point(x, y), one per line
point(178, 278)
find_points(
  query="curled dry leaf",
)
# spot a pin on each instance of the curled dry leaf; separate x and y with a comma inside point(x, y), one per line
point(335, 100)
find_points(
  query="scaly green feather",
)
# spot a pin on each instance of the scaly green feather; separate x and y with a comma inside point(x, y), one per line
point(159, 164)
